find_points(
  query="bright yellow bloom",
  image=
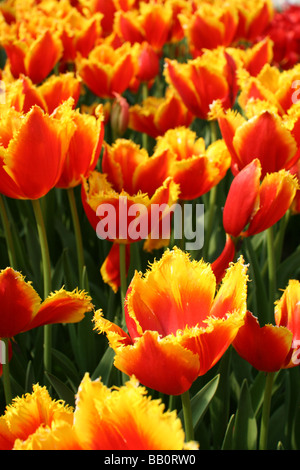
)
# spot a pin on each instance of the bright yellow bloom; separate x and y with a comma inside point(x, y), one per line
point(29, 413)
point(122, 418)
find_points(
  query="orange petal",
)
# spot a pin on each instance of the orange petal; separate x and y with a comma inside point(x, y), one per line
point(180, 78)
point(115, 335)
point(199, 173)
point(232, 294)
point(218, 87)
point(110, 269)
point(160, 364)
point(122, 75)
point(229, 122)
point(128, 27)
point(124, 419)
point(220, 265)
point(16, 52)
point(58, 88)
point(276, 195)
point(27, 413)
point(264, 137)
point(172, 113)
point(287, 308)
point(120, 162)
point(7, 438)
point(245, 188)
point(141, 119)
point(42, 56)
point(19, 302)
point(96, 77)
point(265, 348)
point(36, 153)
point(62, 307)
point(8, 187)
point(84, 150)
point(211, 343)
point(175, 293)
point(151, 173)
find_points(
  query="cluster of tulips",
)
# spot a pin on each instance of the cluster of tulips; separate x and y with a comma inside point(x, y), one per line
point(131, 341)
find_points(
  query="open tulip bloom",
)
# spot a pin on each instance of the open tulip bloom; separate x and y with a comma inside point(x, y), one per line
point(178, 325)
point(149, 226)
point(122, 418)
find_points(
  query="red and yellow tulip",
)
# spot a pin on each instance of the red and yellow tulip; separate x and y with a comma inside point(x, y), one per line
point(201, 81)
point(107, 70)
point(33, 148)
point(22, 94)
point(271, 86)
point(178, 325)
point(265, 136)
point(150, 22)
point(193, 167)
point(104, 418)
point(253, 205)
point(154, 116)
point(209, 26)
point(254, 18)
point(33, 52)
point(29, 414)
point(84, 147)
point(273, 347)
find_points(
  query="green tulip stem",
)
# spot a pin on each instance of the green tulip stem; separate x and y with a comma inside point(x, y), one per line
point(78, 235)
point(187, 414)
point(263, 440)
point(47, 278)
point(271, 270)
point(8, 234)
point(123, 276)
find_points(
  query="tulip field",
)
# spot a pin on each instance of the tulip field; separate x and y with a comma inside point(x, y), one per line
point(149, 226)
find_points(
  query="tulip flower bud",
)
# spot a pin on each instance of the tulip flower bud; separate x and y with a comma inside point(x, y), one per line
point(119, 115)
point(148, 63)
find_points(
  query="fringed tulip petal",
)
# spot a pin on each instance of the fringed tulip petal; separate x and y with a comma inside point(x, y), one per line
point(27, 413)
point(220, 265)
point(62, 307)
point(287, 309)
point(232, 294)
point(265, 348)
point(35, 155)
point(245, 188)
point(60, 436)
point(182, 289)
point(124, 419)
point(43, 54)
point(211, 342)
point(265, 138)
point(159, 363)
point(18, 302)
point(177, 327)
point(110, 269)
point(276, 195)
